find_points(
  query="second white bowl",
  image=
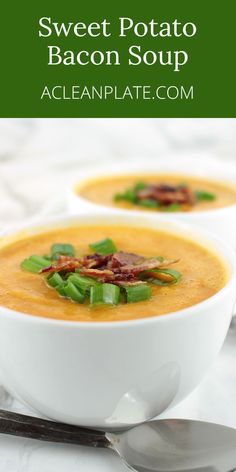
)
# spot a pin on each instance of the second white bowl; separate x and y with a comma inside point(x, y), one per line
point(221, 221)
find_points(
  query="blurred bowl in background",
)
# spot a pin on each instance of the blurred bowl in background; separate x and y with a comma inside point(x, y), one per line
point(221, 221)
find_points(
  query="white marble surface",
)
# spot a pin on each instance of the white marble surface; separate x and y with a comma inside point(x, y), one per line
point(37, 160)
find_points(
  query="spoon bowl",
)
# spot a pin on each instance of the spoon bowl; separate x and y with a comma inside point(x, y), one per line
point(177, 445)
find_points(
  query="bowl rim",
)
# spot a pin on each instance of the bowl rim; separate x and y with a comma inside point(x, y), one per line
point(98, 174)
point(227, 257)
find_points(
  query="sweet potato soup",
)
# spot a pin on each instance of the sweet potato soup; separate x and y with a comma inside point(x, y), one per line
point(160, 192)
point(195, 273)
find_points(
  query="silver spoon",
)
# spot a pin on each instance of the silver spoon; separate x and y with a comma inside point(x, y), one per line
point(156, 446)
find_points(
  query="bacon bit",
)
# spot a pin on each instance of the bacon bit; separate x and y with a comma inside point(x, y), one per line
point(68, 266)
point(109, 276)
point(149, 264)
point(67, 263)
point(167, 194)
point(126, 258)
point(96, 272)
point(96, 260)
point(101, 275)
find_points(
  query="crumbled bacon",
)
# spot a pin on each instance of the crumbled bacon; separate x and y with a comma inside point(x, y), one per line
point(167, 194)
point(148, 264)
point(121, 268)
point(95, 261)
point(101, 275)
point(121, 258)
point(64, 263)
point(69, 264)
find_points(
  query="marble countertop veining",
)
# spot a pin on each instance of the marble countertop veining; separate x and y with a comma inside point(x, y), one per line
point(37, 160)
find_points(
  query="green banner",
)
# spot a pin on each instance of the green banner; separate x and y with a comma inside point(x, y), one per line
point(118, 59)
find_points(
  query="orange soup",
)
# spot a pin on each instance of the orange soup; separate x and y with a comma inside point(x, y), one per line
point(202, 274)
point(205, 194)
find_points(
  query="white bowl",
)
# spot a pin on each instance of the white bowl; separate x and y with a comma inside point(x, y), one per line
point(221, 221)
point(113, 375)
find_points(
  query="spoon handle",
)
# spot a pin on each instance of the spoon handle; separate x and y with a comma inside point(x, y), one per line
point(36, 428)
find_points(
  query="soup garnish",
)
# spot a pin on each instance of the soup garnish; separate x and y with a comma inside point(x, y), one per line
point(163, 196)
point(106, 276)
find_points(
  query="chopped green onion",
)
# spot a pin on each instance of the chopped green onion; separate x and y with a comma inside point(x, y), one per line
point(104, 247)
point(62, 250)
point(107, 294)
point(30, 266)
point(73, 292)
point(137, 293)
point(39, 260)
point(129, 196)
point(174, 274)
point(201, 195)
point(172, 207)
point(34, 263)
point(55, 280)
point(148, 203)
point(48, 257)
point(61, 290)
point(139, 186)
point(82, 283)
